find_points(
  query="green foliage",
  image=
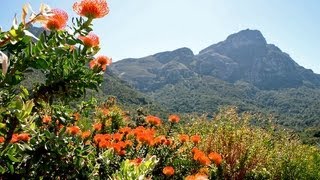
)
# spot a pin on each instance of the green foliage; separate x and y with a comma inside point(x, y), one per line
point(46, 132)
point(251, 152)
point(295, 108)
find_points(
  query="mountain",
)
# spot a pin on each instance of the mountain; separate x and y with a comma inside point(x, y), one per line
point(243, 56)
point(243, 70)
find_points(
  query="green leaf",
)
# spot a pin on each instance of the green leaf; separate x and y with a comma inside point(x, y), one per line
point(11, 168)
point(12, 158)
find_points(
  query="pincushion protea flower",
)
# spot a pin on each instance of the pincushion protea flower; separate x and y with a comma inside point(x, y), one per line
point(174, 118)
point(2, 139)
point(91, 40)
point(91, 8)
point(195, 139)
point(216, 158)
point(57, 21)
point(46, 119)
point(102, 61)
point(168, 171)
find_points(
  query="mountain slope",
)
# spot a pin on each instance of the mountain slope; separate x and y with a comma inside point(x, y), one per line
point(244, 70)
point(243, 56)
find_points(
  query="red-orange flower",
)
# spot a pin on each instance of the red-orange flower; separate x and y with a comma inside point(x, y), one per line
point(85, 134)
point(101, 61)
point(198, 176)
point(76, 116)
point(125, 130)
point(216, 158)
point(73, 130)
point(184, 138)
point(91, 40)
point(117, 136)
point(97, 126)
point(168, 142)
point(14, 138)
point(2, 139)
point(91, 8)
point(197, 154)
point(160, 139)
point(46, 119)
point(104, 144)
point(195, 139)
point(154, 120)
point(24, 137)
point(168, 171)
point(174, 118)
point(204, 160)
point(57, 21)
point(136, 161)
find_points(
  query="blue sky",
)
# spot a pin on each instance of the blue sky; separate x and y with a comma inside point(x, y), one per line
point(137, 28)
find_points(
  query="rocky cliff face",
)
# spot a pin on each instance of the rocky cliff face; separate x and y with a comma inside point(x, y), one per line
point(243, 56)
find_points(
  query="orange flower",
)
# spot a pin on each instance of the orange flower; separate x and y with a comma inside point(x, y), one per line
point(201, 176)
point(195, 139)
point(168, 171)
point(190, 177)
point(91, 40)
point(46, 119)
point(216, 158)
point(174, 118)
point(105, 111)
point(57, 21)
point(14, 138)
point(168, 142)
point(101, 61)
point(125, 130)
point(85, 134)
point(104, 144)
point(136, 161)
point(204, 160)
point(24, 137)
point(98, 138)
point(73, 130)
point(97, 126)
point(198, 154)
point(91, 8)
point(195, 150)
point(118, 147)
point(198, 176)
point(184, 138)
point(2, 139)
point(76, 116)
point(117, 136)
point(128, 143)
point(160, 140)
point(153, 120)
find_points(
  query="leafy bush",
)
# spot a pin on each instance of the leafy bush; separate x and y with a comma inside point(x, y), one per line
point(46, 133)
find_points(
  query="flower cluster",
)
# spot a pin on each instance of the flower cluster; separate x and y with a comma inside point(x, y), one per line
point(57, 21)
point(91, 8)
point(23, 137)
point(101, 62)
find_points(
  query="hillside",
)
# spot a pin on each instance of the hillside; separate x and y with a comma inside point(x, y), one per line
point(244, 70)
point(243, 56)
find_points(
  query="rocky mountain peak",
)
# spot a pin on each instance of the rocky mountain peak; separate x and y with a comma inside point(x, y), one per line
point(246, 37)
point(183, 55)
point(243, 56)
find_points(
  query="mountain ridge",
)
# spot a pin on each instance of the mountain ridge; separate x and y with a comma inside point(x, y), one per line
point(244, 56)
point(244, 71)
